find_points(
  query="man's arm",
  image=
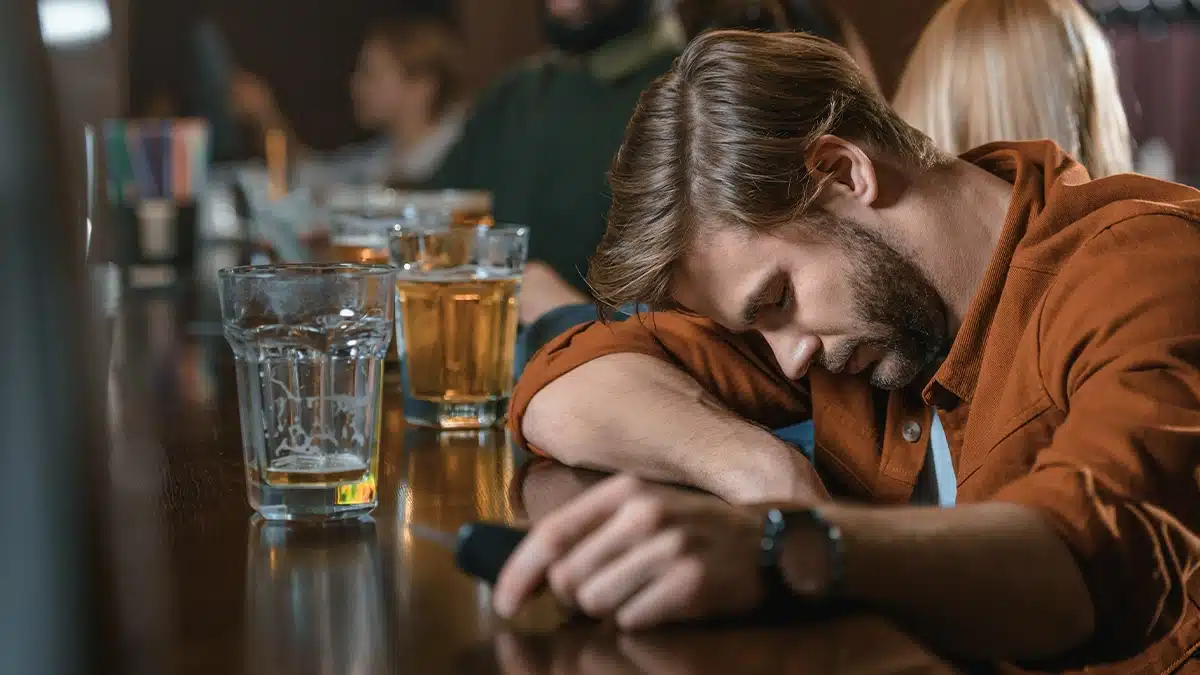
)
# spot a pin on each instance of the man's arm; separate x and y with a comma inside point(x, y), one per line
point(989, 581)
point(979, 581)
point(639, 414)
point(668, 397)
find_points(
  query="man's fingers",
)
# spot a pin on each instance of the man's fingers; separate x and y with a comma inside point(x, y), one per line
point(675, 594)
point(612, 586)
point(554, 537)
point(636, 520)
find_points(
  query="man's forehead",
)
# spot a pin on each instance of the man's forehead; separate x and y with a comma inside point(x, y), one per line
point(714, 268)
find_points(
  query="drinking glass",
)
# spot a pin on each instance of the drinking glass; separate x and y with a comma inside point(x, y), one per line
point(309, 342)
point(456, 322)
point(467, 208)
point(361, 218)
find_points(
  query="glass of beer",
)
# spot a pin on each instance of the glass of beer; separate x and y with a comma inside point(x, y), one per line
point(468, 208)
point(362, 218)
point(456, 322)
point(359, 239)
point(309, 343)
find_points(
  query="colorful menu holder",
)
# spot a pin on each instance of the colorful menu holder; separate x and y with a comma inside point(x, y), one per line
point(156, 170)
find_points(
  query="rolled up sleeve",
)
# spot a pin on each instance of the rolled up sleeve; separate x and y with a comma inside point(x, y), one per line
point(737, 369)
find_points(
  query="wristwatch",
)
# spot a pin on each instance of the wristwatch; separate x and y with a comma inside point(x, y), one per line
point(818, 547)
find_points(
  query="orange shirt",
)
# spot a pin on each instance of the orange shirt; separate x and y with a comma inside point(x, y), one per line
point(1073, 387)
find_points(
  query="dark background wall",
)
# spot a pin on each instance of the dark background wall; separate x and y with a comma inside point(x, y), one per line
point(306, 49)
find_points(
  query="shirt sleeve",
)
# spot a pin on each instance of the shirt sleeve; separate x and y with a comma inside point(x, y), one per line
point(736, 368)
point(1119, 339)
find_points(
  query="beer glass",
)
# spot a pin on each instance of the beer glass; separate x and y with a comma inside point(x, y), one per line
point(309, 342)
point(456, 322)
point(467, 208)
point(361, 218)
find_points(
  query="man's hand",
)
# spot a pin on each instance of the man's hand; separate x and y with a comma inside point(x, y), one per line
point(641, 553)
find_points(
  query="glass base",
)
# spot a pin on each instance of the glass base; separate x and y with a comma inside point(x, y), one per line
point(448, 415)
point(312, 504)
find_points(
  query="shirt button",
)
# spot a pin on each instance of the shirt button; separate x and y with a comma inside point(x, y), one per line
point(911, 431)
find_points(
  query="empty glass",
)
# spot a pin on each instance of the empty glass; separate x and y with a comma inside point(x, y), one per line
point(456, 321)
point(309, 342)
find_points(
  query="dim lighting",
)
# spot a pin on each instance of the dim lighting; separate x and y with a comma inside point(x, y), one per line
point(73, 22)
point(1134, 5)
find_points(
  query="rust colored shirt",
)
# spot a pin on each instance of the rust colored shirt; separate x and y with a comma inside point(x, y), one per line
point(1072, 387)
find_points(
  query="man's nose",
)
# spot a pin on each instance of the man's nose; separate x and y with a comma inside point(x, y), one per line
point(794, 353)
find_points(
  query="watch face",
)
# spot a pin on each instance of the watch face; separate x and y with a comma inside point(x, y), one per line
point(808, 552)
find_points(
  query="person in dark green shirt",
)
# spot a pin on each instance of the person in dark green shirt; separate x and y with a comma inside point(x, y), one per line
point(542, 138)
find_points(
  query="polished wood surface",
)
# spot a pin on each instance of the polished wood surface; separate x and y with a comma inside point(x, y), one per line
point(203, 586)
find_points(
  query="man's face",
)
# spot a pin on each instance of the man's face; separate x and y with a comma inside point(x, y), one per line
point(830, 293)
point(579, 26)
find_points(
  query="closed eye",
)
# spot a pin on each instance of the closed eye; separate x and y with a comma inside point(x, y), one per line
point(784, 301)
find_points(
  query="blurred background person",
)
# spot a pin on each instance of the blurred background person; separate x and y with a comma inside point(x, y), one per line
point(992, 70)
point(819, 17)
point(406, 88)
point(541, 138)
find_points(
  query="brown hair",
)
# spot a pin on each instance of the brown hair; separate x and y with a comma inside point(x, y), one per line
point(1049, 74)
point(722, 139)
point(425, 47)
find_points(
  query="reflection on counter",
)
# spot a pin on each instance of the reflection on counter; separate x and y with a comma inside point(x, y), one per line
point(315, 599)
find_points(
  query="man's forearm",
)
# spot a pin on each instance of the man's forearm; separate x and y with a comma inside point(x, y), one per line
point(634, 413)
point(981, 581)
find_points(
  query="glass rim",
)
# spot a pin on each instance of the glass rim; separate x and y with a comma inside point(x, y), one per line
point(508, 229)
point(285, 270)
point(349, 198)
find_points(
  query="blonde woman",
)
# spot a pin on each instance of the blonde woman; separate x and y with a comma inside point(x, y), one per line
point(991, 70)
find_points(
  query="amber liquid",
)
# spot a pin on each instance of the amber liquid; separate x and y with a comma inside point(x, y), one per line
point(459, 337)
point(467, 217)
point(317, 478)
point(358, 253)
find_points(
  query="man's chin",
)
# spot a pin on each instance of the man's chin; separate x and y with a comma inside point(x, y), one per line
point(892, 373)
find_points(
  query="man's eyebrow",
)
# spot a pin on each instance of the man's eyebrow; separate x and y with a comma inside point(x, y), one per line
point(756, 301)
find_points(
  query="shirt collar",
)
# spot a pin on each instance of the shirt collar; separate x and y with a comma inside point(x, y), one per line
point(1030, 167)
point(629, 53)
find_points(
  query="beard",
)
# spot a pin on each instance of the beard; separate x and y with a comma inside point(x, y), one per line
point(603, 26)
point(903, 316)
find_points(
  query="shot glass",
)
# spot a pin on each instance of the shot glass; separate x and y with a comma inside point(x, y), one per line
point(309, 343)
point(456, 322)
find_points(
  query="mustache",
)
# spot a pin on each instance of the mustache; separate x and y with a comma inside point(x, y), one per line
point(834, 357)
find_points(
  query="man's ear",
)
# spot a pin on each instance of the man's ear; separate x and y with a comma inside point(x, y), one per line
point(847, 171)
